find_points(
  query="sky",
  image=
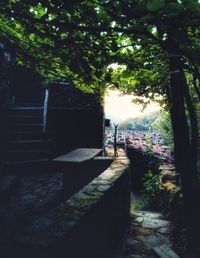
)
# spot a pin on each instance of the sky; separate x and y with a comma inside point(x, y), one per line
point(121, 107)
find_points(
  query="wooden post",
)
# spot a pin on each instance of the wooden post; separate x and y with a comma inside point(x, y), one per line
point(115, 141)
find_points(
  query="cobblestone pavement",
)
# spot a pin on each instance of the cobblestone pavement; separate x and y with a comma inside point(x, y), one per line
point(24, 197)
point(146, 230)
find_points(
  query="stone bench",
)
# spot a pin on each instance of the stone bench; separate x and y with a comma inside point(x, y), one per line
point(79, 168)
point(78, 155)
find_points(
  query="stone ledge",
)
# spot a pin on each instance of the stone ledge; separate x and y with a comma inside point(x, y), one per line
point(89, 222)
point(60, 220)
point(164, 251)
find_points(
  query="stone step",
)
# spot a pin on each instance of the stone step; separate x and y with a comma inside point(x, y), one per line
point(26, 110)
point(28, 107)
point(27, 144)
point(28, 166)
point(26, 127)
point(26, 135)
point(26, 119)
point(26, 155)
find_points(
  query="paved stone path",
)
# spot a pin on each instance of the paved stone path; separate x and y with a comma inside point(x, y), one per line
point(146, 230)
point(24, 197)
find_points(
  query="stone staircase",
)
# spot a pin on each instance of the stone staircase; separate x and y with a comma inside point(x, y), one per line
point(27, 146)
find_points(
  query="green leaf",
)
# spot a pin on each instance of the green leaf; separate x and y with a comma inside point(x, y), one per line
point(155, 5)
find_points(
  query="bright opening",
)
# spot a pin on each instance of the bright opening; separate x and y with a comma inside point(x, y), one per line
point(120, 107)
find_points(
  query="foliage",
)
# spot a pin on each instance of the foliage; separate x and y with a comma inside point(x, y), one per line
point(142, 123)
point(151, 190)
point(163, 125)
point(171, 199)
point(153, 162)
point(144, 71)
point(165, 197)
point(77, 40)
point(149, 150)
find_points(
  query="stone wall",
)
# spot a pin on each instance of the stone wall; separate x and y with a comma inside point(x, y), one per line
point(140, 163)
point(89, 224)
point(70, 128)
point(75, 176)
point(74, 119)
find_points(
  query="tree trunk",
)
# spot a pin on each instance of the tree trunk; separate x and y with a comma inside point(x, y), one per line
point(182, 148)
point(193, 124)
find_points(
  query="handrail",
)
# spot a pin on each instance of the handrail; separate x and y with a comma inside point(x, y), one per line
point(45, 110)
